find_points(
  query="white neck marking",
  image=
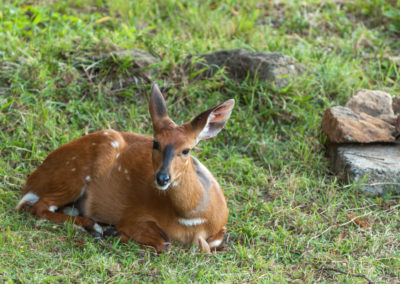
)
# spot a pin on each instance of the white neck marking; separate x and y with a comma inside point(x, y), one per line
point(191, 222)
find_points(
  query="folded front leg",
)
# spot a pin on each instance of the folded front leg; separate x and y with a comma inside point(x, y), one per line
point(217, 241)
point(145, 232)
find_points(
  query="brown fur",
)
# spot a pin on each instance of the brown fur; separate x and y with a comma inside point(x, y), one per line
point(121, 190)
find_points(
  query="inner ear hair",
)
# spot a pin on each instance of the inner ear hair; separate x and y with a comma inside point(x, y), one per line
point(210, 123)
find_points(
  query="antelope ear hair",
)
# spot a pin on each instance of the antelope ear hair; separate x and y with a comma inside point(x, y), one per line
point(210, 123)
point(157, 106)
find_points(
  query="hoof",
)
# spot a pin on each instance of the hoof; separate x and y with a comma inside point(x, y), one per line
point(110, 231)
point(95, 230)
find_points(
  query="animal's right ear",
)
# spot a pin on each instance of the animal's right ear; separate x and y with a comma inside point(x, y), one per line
point(210, 122)
point(157, 108)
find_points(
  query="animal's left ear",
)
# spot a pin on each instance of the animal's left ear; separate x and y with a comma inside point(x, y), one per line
point(158, 110)
point(210, 123)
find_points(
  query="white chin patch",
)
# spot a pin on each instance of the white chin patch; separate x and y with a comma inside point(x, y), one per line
point(165, 187)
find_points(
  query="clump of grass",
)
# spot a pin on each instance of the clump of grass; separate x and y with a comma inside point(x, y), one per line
point(288, 213)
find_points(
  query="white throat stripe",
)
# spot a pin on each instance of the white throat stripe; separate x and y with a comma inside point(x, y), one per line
point(191, 222)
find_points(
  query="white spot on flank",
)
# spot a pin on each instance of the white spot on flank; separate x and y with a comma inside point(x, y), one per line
point(53, 208)
point(87, 178)
point(191, 222)
point(117, 156)
point(128, 178)
point(215, 244)
point(93, 143)
point(73, 169)
point(67, 163)
point(29, 198)
point(126, 171)
point(115, 144)
point(98, 228)
point(73, 158)
point(175, 183)
point(119, 168)
point(105, 133)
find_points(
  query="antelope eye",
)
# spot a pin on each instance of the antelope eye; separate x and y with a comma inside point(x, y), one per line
point(185, 152)
point(156, 145)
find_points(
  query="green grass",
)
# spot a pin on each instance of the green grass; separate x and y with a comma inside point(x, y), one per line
point(288, 214)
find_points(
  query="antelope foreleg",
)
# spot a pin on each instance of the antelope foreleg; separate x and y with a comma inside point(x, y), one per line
point(217, 241)
point(146, 233)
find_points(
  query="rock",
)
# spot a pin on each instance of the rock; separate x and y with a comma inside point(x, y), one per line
point(139, 57)
point(239, 63)
point(106, 68)
point(343, 125)
point(376, 167)
point(396, 105)
point(375, 103)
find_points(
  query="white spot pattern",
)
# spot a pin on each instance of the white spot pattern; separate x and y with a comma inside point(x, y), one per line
point(119, 168)
point(53, 208)
point(105, 133)
point(87, 178)
point(73, 169)
point(117, 156)
point(126, 171)
point(115, 144)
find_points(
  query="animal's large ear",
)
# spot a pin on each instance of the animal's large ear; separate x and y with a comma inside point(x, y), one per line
point(210, 123)
point(158, 109)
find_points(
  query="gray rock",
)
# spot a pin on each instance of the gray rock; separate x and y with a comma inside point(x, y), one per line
point(374, 103)
point(239, 63)
point(106, 69)
point(375, 166)
point(140, 57)
point(396, 105)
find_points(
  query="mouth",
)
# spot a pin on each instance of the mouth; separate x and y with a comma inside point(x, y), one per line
point(163, 188)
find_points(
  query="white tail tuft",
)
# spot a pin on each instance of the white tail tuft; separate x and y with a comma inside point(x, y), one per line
point(30, 198)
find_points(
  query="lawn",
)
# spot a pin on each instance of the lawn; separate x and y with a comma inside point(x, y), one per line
point(290, 219)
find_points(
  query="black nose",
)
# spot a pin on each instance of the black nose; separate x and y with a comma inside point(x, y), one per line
point(162, 179)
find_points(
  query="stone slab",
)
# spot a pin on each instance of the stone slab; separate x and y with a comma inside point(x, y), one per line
point(375, 166)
